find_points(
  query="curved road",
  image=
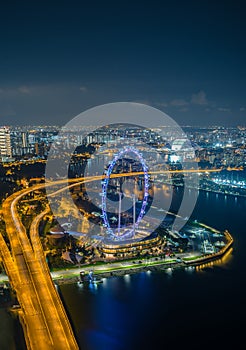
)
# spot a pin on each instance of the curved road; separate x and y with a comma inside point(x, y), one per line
point(43, 316)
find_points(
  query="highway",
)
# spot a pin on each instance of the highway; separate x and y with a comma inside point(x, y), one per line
point(43, 316)
point(42, 313)
point(77, 181)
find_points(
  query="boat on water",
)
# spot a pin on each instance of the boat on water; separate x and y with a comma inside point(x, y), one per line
point(89, 278)
point(97, 280)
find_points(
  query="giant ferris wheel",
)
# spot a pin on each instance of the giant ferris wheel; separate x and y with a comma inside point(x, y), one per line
point(119, 233)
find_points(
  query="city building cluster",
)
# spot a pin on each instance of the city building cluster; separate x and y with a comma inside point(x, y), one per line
point(216, 146)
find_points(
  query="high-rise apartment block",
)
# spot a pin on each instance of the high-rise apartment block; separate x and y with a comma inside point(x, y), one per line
point(5, 144)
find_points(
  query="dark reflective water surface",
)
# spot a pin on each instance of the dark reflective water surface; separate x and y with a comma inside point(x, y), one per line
point(165, 310)
point(181, 308)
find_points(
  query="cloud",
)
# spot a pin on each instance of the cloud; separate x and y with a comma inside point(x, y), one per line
point(15, 91)
point(24, 90)
point(179, 102)
point(223, 109)
point(144, 102)
point(83, 88)
point(242, 109)
point(161, 104)
point(199, 98)
point(183, 109)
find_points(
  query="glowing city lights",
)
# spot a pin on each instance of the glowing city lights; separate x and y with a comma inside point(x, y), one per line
point(128, 233)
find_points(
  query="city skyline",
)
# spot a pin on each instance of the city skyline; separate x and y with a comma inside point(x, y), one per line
point(186, 59)
point(123, 174)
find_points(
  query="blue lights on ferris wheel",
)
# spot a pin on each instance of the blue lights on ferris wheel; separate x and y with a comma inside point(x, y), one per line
point(105, 183)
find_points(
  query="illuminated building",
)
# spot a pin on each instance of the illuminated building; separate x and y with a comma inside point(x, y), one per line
point(133, 248)
point(5, 144)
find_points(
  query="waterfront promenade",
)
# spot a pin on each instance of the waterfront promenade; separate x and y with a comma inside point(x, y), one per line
point(107, 269)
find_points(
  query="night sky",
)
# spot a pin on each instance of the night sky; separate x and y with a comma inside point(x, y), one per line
point(186, 58)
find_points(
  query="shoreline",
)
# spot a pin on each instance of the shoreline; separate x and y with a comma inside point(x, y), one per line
point(73, 275)
point(156, 266)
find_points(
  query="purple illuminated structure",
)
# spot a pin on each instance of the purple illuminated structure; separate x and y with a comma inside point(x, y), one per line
point(131, 232)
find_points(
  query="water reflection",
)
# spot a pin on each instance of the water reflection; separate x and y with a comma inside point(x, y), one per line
point(169, 271)
point(127, 278)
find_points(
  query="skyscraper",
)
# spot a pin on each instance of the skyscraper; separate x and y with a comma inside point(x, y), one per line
point(5, 145)
point(24, 137)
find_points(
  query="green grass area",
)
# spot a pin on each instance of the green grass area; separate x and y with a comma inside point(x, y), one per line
point(193, 258)
point(116, 269)
point(62, 268)
point(64, 276)
point(101, 263)
point(136, 266)
point(120, 268)
point(72, 266)
point(162, 262)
